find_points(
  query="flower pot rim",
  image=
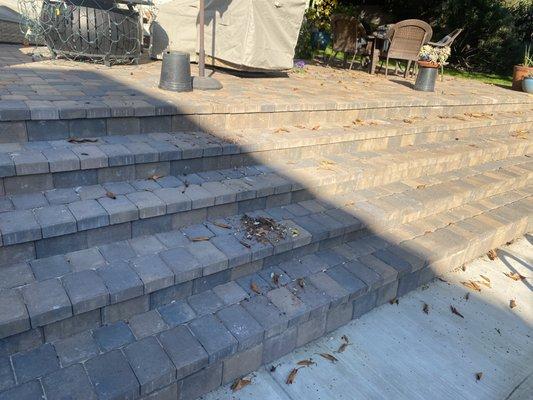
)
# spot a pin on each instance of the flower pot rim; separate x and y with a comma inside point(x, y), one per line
point(428, 64)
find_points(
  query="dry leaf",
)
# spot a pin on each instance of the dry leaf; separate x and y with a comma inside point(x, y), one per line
point(408, 121)
point(82, 140)
point(280, 130)
point(240, 383)
point(425, 308)
point(301, 282)
point(345, 338)
point(306, 363)
point(492, 255)
point(515, 276)
point(273, 368)
point(342, 347)
point(520, 134)
point(315, 128)
point(479, 375)
point(275, 279)
point(295, 232)
point(155, 177)
point(498, 330)
point(200, 239)
point(255, 288)
point(329, 357)
point(467, 296)
point(292, 376)
point(512, 303)
point(247, 245)
point(111, 195)
point(222, 225)
point(394, 301)
point(486, 281)
point(421, 186)
point(472, 285)
point(456, 312)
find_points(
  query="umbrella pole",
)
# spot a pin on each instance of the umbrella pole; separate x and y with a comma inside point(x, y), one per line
point(202, 82)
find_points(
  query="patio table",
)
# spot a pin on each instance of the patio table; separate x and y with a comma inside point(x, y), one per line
point(378, 41)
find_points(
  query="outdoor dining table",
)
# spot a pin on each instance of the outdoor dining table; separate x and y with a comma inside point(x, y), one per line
point(378, 43)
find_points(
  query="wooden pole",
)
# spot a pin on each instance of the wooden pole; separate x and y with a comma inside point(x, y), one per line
point(201, 50)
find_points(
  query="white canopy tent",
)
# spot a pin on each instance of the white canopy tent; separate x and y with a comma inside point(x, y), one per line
point(241, 34)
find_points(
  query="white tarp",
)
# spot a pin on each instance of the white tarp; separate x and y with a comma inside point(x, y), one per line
point(242, 34)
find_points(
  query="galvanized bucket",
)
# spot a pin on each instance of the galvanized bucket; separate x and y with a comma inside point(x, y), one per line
point(176, 72)
point(425, 80)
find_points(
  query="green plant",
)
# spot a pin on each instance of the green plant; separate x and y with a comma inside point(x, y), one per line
point(528, 57)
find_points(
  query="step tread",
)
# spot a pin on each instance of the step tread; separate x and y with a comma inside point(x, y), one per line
point(40, 215)
point(56, 288)
point(19, 159)
point(303, 298)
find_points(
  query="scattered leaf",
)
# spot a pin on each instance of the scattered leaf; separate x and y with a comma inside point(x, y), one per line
point(425, 308)
point(345, 338)
point(463, 267)
point(84, 154)
point(394, 301)
point(111, 195)
point(306, 363)
point(473, 285)
point(200, 239)
point(155, 177)
point(275, 278)
point(295, 232)
point(515, 276)
point(240, 383)
point(467, 296)
point(292, 376)
point(486, 281)
point(301, 282)
point(281, 130)
point(273, 368)
point(315, 128)
point(247, 245)
point(498, 330)
point(222, 225)
point(329, 357)
point(421, 186)
point(492, 255)
point(342, 347)
point(255, 288)
point(512, 303)
point(456, 312)
point(479, 375)
point(408, 121)
point(81, 140)
point(326, 164)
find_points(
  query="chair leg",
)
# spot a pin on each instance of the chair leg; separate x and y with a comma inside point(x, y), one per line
point(407, 69)
point(442, 73)
point(387, 67)
point(352, 62)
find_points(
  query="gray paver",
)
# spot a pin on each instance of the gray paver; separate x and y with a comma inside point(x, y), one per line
point(85, 259)
point(29, 201)
point(7, 379)
point(353, 285)
point(230, 293)
point(120, 209)
point(13, 315)
point(147, 324)
point(28, 391)
point(77, 348)
point(55, 221)
point(68, 383)
point(86, 290)
point(214, 336)
point(16, 274)
point(118, 251)
point(121, 281)
point(242, 326)
point(183, 264)
point(185, 351)
point(50, 267)
point(35, 363)
point(151, 365)
point(176, 313)
point(205, 303)
point(149, 204)
point(89, 214)
point(113, 336)
point(19, 226)
point(153, 272)
point(47, 302)
point(112, 376)
point(289, 305)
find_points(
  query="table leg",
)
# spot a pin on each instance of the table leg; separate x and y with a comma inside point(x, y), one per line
point(374, 59)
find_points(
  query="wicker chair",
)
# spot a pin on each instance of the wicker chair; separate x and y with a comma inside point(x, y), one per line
point(448, 39)
point(406, 38)
point(347, 32)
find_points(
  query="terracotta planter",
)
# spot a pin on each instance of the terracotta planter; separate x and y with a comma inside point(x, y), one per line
point(519, 72)
point(427, 64)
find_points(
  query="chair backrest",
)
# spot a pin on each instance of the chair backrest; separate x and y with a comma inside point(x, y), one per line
point(449, 38)
point(346, 30)
point(407, 37)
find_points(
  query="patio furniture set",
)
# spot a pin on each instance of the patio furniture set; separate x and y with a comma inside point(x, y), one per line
point(400, 41)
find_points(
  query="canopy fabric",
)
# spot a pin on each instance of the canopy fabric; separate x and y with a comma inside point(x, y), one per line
point(242, 34)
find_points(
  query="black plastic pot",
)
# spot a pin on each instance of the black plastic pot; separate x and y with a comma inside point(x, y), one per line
point(426, 78)
point(176, 72)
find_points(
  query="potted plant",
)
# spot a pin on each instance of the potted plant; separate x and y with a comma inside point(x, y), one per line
point(527, 83)
point(430, 59)
point(523, 70)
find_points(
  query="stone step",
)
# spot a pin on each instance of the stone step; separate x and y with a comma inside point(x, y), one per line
point(189, 347)
point(42, 224)
point(114, 281)
point(46, 165)
point(43, 120)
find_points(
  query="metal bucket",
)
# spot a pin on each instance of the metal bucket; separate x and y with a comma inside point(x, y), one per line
point(425, 80)
point(176, 72)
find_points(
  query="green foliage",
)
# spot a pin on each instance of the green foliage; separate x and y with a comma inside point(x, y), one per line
point(304, 46)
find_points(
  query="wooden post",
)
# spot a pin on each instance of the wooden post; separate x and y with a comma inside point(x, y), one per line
point(201, 50)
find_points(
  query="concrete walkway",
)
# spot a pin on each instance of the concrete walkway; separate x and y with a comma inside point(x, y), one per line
point(399, 352)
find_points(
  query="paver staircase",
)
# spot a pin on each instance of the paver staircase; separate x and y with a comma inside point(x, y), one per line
point(127, 270)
